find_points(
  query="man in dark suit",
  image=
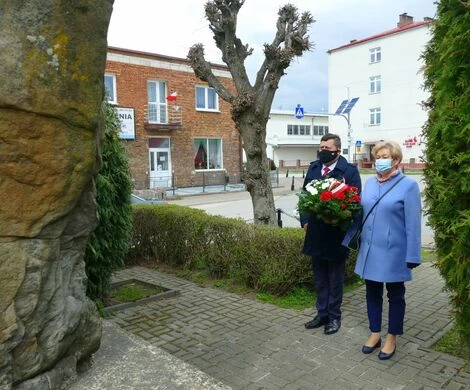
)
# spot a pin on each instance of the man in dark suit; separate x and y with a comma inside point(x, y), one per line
point(323, 241)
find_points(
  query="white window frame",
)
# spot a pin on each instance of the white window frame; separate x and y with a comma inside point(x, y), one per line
point(158, 106)
point(375, 84)
point(111, 99)
point(320, 130)
point(375, 55)
point(206, 99)
point(300, 130)
point(221, 168)
point(375, 116)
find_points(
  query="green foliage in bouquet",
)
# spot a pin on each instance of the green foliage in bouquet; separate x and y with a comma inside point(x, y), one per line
point(331, 200)
point(447, 157)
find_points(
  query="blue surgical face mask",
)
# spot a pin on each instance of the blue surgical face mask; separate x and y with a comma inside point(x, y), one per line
point(383, 165)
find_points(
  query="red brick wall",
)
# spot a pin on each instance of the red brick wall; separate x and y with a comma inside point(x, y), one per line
point(131, 91)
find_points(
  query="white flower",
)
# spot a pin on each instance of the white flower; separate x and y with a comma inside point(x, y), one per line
point(325, 185)
point(312, 190)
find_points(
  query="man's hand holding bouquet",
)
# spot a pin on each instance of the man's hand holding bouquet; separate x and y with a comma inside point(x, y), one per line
point(331, 200)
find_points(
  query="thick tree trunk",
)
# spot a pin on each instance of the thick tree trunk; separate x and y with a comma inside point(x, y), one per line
point(257, 180)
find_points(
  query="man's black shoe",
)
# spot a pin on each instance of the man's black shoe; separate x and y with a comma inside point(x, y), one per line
point(332, 326)
point(316, 322)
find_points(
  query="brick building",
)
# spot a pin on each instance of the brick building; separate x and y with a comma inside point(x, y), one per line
point(176, 129)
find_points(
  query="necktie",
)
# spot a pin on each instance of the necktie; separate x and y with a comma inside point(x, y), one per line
point(325, 171)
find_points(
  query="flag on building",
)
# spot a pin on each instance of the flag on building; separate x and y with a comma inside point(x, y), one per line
point(172, 97)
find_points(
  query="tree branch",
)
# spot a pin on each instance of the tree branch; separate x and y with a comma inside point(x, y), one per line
point(222, 16)
point(203, 71)
point(292, 32)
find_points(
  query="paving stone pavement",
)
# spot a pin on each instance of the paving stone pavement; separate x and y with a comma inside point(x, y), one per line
point(246, 344)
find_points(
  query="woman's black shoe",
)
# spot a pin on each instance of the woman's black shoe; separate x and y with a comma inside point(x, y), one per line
point(366, 349)
point(316, 322)
point(386, 356)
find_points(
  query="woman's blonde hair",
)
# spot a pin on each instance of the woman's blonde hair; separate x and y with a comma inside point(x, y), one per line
point(392, 147)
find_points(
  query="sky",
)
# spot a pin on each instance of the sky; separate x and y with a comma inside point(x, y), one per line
point(172, 27)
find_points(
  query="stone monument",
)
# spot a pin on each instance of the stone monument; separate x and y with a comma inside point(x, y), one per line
point(52, 56)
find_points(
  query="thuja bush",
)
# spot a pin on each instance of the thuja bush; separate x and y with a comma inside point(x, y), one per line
point(261, 257)
point(447, 157)
point(109, 241)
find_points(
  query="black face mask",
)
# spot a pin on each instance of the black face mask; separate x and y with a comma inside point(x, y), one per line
point(325, 156)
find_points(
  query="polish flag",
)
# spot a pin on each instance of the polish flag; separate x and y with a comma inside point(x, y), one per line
point(172, 97)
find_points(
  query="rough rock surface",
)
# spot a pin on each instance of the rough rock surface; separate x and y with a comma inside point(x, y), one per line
point(53, 56)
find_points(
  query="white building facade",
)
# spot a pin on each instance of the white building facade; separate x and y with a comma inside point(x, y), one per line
point(293, 142)
point(385, 72)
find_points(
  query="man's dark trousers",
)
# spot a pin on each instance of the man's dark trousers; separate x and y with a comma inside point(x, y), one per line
point(329, 280)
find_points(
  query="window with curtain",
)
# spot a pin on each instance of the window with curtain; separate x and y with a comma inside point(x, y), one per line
point(207, 153)
point(157, 106)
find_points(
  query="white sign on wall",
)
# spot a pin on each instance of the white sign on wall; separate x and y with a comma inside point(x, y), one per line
point(126, 116)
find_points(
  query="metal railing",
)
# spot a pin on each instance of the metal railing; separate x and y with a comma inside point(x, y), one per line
point(163, 116)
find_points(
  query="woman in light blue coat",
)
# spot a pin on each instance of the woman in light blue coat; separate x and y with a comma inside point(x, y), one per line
point(390, 244)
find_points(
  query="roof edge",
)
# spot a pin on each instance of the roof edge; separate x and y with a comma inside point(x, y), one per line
point(392, 31)
point(145, 54)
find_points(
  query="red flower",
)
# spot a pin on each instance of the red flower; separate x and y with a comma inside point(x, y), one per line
point(343, 205)
point(355, 199)
point(327, 195)
point(339, 196)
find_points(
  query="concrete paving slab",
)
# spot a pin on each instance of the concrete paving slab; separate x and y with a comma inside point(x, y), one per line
point(126, 362)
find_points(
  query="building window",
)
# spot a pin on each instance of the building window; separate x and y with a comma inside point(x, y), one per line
point(320, 130)
point(110, 87)
point(206, 99)
point(375, 85)
point(375, 55)
point(298, 129)
point(207, 153)
point(375, 116)
point(157, 107)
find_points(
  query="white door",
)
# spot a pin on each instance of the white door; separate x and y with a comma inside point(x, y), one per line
point(160, 163)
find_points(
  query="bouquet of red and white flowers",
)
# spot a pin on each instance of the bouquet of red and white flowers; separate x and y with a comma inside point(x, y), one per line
point(331, 200)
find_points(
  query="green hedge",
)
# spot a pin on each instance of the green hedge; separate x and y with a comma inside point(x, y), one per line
point(261, 257)
point(447, 157)
point(108, 243)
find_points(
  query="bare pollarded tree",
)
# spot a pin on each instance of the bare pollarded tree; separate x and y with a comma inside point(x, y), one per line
point(251, 104)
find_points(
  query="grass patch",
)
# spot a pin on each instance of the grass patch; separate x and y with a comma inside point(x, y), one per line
point(300, 298)
point(131, 291)
point(453, 344)
point(351, 287)
point(427, 254)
